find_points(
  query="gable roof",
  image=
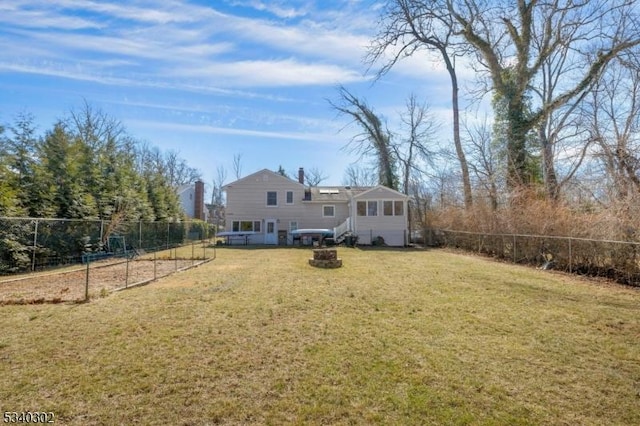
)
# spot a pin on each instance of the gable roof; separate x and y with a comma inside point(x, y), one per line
point(383, 189)
point(319, 194)
point(257, 177)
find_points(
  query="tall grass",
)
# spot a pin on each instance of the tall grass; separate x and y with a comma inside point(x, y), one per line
point(529, 212)
point(393, 337)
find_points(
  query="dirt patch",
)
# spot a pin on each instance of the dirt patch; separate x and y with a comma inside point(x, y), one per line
point(70, 286)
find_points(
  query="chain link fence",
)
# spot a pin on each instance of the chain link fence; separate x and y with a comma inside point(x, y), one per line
point(60, 260)
point(30, 244)
point(617, 260)
point(98, 277)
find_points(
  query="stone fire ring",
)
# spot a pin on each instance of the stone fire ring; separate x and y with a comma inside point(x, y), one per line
point(325, 258)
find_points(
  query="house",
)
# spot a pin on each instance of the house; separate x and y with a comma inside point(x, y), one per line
point(268, 208)
point(192, 200)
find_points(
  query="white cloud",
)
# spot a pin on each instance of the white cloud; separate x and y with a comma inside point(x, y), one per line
point(318, 54)
point(278, 73)
point(275, 8)
point(11, 14)
point(309, 38)
point(199, 128)
point(146, 12)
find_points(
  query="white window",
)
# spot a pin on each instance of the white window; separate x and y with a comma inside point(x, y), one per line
point(328, 211)
point(387, 208)
point(362, 208)
point(372, 208)
point(367, 208)
point(398, 208)
point(289, 197)
point(393, 208)
point(272, 198)
point(293, 225)
point(245, 226)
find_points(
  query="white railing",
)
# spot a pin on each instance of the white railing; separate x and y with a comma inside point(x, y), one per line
point(342, 228)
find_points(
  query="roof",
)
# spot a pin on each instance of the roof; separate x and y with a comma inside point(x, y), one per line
point(183, 188)
point(333, 194)
point(256, 176)
point(381, 188)
point(319, 194)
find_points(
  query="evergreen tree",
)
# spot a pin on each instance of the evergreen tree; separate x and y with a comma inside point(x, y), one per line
point(20, 155)
point(8, 192)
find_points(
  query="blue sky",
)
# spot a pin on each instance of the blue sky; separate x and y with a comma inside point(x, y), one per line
point(209, 79)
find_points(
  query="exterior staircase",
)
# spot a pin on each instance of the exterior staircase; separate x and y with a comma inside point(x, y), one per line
point(344, 233)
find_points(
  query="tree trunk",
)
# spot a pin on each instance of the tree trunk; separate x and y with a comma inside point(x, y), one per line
point(549, 172)
point(517, 174)
point(464, 167)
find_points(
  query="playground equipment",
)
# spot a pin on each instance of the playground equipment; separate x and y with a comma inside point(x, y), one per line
point(115, 246)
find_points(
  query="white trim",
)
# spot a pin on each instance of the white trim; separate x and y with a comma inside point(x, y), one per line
point(381, 188)
point(366, 208)
point(333, 207)
point(271, 238)
point(267, 199)
point(393, 207)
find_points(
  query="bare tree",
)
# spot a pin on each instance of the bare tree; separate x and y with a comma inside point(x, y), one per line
point(408, 26)
point(217, 196)
point(375, 138)
point(412, 149)
point(615, 125)
point(484, 159)
point(237, 165)
point(178, 171)
point(358, 176)
point(421, 204)
point(513, 42)
point(561, 135)
point(315, 176)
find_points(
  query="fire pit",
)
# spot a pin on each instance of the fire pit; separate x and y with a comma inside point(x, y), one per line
point(325, 258)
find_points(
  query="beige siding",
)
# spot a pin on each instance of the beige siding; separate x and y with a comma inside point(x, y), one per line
point(313, 217)
point(247, 201)
point(392, 229)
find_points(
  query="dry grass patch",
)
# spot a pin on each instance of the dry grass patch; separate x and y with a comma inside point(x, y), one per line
point(403, 337)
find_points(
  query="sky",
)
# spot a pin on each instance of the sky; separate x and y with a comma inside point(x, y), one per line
point(210, 80)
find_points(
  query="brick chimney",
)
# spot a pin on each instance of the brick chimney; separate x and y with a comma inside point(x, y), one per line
point(301, 175)
point(198, 211)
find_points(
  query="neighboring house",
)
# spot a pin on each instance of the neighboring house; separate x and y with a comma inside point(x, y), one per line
point(270, 206)
point(192, 200)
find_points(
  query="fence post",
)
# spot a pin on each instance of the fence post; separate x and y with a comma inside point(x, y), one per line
point(515, 259)
point(126, 274)
point(86, 284)
point(193, 253)
point(35, 242)
point(175, 257)
point(168, 236)
point(140, 235)
point(155, 265)
point(570, 257)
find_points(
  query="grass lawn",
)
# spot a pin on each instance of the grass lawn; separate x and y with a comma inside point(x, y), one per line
point(393, 337)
